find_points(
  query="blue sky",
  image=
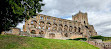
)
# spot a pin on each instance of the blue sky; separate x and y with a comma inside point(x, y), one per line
point(99, 12)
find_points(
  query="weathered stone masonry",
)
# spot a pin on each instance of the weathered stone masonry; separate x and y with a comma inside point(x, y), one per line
point(57, 28)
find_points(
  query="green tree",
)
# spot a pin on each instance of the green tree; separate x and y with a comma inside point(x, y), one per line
point(14, 11)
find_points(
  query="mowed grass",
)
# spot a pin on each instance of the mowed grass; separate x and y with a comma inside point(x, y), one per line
point(107, 41)
point(20, 42)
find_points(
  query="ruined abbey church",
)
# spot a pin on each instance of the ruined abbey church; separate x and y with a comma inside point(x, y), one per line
point(57, 28)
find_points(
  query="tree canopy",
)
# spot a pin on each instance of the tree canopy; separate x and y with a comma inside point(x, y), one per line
point(14, 11)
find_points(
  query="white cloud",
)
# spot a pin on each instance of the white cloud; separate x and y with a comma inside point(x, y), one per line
point(109, 26)
point(20, 25)
point(99, 12)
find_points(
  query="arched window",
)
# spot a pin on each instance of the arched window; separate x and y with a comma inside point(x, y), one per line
point(54, 28)
point(60, 25)
point(65, 28)
point(75, 29)
point(70, 28)
point(54, 24)
point(39, 27)
point(84, 22)
point(79, 29)
point(48, 23)
point(46, 27)
point(41, 32)
point(54, 20)
point(66, 35)
point(60, 21)
point(47, 18)
point(41, 17)
point(41, 24)
point(51, 35)
point(33, 32)
point(60, 29)
point(49, 28)
point(33, 22)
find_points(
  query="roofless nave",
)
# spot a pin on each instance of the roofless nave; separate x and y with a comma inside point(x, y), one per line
point(57, 28)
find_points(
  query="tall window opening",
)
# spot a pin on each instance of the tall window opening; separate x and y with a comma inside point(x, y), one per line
point(79, 30)
point(84, 22)
point(33, 32)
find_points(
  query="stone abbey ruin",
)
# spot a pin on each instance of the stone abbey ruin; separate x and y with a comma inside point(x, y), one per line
point(57, 28)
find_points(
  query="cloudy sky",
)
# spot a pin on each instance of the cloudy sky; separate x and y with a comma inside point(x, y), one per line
point(99, 12)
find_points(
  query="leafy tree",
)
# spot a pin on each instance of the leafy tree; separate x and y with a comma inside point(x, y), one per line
point(14, 11)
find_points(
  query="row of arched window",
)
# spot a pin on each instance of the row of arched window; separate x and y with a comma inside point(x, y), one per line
point(48, 25)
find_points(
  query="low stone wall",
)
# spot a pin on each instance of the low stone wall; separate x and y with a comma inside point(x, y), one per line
point(101, 45)
point(12, 31)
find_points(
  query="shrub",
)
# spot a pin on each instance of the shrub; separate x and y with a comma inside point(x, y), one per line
point(83, 39)
point(97, 37)
point(101, 37)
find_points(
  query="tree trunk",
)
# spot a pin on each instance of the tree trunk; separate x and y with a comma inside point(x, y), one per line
point(0, 31)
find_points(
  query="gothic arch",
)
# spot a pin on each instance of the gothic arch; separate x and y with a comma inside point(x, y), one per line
point(54, 27)
point(84, 22)
point(54, 24)
point(70, 28)
point(33, 32)
point(66, 34)
point(41, 24)
point(51, 35)
point(65, 28)
point(75, 29)
point(41, 32)
point(33, 23)
point(60, 27)
point(79, 29)
point(48, 24)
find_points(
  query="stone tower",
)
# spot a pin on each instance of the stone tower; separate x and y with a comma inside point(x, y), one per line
point(81, 17)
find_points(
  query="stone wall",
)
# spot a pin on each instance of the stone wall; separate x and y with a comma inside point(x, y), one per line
point(100, 44)
point(81, 17)
point(59, 28)
point(14, 31)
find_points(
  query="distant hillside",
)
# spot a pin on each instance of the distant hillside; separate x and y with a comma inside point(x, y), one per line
point(20, 42)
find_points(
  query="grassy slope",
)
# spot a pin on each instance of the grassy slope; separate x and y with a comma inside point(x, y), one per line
point(19, 42)
point(107, 41)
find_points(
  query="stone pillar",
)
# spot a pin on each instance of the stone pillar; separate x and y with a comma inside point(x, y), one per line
point(72, 28)
point(38, 22)
point(43, 17)
point(45, 24)
point(63, 28)
point(51, 21)
point(68, 26)
point(57, 25)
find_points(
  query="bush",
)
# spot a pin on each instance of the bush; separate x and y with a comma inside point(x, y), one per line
point(101, 37)
point(106, 38)
point(83, 39)
point(97, 37)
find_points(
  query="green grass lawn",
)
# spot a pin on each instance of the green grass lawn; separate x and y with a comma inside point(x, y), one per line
point(20, 42)
point(107, 41)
